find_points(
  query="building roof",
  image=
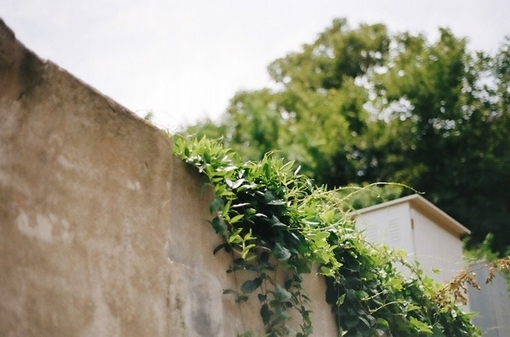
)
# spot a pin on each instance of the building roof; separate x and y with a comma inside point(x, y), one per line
point(426, 208)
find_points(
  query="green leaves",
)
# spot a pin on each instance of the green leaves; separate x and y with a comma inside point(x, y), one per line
point(389, 107)
point(420, 326)
point(275, 222)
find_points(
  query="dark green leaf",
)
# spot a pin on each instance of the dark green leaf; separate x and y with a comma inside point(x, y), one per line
point(219, 226)
point(281, 253)
point(216, 205)
point(265, 313)
point(242, 298)
point(350, 321)
point(250, 285)
point(264, 257)
point(219, 247)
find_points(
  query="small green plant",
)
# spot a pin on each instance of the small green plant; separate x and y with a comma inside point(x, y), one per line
point(272, 218)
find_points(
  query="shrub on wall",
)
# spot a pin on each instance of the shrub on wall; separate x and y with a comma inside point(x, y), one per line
point(271, 217)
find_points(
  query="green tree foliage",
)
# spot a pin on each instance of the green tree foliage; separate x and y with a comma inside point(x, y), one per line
point(449, 122)
point(362, 105)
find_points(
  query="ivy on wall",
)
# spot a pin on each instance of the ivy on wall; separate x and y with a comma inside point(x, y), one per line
point(273, 218)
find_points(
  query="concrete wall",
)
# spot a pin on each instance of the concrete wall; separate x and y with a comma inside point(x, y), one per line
point(102, 231)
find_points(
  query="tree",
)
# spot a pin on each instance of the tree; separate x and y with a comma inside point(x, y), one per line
point(448, 127)
point(362, 105)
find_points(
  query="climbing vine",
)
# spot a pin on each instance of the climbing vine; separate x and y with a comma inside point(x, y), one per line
point(273, 218)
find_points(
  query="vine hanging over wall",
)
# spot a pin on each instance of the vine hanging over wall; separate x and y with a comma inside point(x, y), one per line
point(271, 217)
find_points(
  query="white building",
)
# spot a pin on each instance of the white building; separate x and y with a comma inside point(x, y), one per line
point(432, 237)
point(426, 233)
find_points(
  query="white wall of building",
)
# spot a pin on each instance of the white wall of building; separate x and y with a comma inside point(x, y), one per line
point(389, 226)
point(436, 248)
point(401, 226)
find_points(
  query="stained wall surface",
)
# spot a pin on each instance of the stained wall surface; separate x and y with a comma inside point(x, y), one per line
point(102, 231)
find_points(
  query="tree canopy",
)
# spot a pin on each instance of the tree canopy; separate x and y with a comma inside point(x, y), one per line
point(362, 105)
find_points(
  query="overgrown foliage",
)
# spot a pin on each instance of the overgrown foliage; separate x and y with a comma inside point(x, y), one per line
point(273, 218)
point(483, 252)
point(362, 105)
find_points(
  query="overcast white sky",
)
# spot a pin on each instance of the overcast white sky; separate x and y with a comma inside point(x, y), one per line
point(183, 60)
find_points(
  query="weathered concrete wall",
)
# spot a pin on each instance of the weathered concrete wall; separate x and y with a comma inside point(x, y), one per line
point(102, 231)
point(85, 192)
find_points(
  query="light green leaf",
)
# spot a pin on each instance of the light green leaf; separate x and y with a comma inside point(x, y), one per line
point(420, 326)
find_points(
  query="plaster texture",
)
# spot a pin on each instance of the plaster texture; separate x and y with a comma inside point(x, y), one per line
point(102, 231)
point(84, 206)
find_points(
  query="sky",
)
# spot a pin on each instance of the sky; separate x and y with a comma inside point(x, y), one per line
point(184, 60)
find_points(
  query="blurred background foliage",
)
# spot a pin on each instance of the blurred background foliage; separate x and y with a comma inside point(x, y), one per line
point(360, 105)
